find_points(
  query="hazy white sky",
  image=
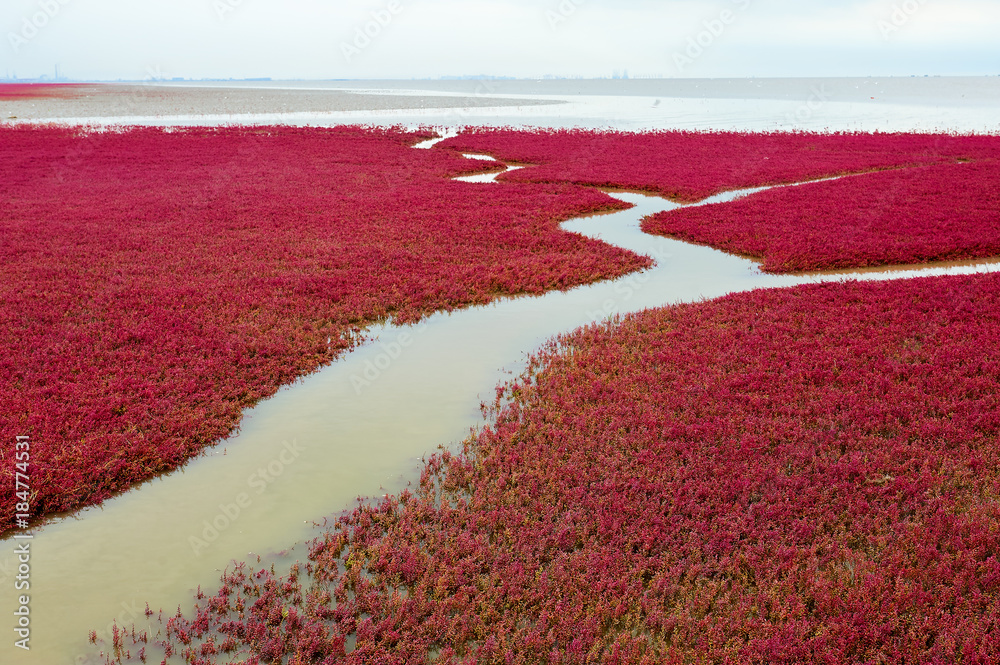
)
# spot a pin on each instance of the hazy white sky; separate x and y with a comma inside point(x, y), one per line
point(138, 39)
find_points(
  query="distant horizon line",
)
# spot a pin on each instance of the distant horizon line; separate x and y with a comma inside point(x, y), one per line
point(547, 77)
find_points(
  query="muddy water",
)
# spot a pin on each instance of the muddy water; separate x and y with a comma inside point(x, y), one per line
point(358, 427)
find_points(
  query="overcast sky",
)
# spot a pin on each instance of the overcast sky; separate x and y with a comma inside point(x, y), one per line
point(140, 39)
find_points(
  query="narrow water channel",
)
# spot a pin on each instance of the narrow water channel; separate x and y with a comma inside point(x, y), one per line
point(359, 427)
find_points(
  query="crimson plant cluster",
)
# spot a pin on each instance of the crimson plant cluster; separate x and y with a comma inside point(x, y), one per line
point(689, 166)
point(912, 198)
point(18, 91)
point(156, 282)
point(804, 475)
point(799, 475)
point(944, 212)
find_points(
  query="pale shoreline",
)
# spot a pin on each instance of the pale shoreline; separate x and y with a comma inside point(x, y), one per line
point(150, 100)
point(917, 104)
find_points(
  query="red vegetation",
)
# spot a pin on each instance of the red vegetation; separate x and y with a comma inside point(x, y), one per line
point(155, 283)
point(15, 91)
point(690, 166)
point(805, 475)
point(933, 213)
